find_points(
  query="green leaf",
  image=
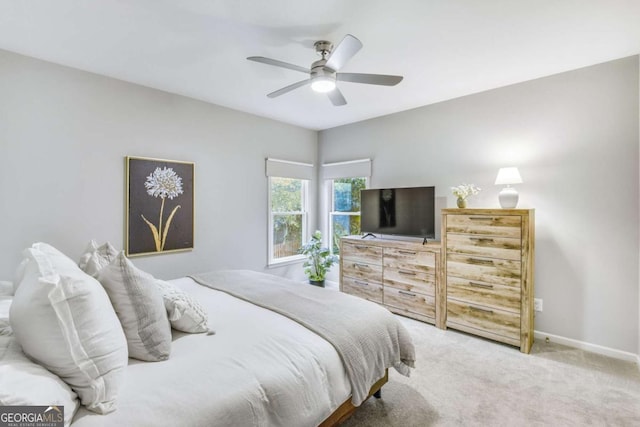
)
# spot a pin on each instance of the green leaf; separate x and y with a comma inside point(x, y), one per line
point(319, 259)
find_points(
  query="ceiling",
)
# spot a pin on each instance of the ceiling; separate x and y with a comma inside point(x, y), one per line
point(443, 48)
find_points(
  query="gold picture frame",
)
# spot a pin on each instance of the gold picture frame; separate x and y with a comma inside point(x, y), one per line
point(159, 212)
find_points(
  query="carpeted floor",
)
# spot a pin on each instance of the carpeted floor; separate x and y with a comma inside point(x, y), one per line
point(463, 380)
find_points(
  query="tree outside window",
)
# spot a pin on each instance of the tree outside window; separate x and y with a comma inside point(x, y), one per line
point(344, 218)
point(287, 219)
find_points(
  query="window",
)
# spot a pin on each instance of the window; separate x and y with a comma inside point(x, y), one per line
point(287, 218)
point(345, 180)
point(288, 197)
point(344, 218)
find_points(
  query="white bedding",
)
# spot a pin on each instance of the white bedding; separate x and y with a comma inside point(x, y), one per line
point(367, 337)
point(259, 369)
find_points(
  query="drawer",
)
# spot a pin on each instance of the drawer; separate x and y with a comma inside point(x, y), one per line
point(410, 301)
point(487, 225)
point(492, 247)
point(412, 281)
point(502, 272)
point(362, 271)
point(362, 289)
point(498, 322)
point(484, 294)
point(364, 253)
point(407, 259)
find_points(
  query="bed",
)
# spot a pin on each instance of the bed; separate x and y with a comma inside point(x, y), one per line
point(260, 367)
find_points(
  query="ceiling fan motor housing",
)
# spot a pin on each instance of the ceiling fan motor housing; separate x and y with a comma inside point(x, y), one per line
point(323, 79)
point(318, 69)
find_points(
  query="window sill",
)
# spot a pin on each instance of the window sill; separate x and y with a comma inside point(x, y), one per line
point(285, 262)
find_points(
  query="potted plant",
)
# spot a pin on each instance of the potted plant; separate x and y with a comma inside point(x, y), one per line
point(319, 259)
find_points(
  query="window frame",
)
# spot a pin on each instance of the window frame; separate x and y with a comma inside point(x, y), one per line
point(304, 189)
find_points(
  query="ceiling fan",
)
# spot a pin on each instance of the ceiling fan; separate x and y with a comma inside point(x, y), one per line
point(323, 73)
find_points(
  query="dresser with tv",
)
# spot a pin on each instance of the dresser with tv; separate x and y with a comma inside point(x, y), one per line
point(403, 276)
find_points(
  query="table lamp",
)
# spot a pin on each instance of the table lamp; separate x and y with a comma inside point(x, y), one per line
point(508, 196)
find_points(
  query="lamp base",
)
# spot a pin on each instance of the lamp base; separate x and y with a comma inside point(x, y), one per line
point(508, 198)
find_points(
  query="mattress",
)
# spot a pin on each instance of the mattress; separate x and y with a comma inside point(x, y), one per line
point(258, 369)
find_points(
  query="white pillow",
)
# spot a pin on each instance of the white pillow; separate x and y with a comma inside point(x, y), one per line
point(95, 257)
point(63, 320)
point(92, 246)
point(23, 382)
point(140, 308)
point(19, 274)
point(185, 313)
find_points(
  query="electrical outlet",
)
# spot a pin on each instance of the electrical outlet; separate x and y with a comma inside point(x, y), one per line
point(537, 304)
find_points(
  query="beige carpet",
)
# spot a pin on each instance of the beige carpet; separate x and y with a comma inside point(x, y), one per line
point(462, 380)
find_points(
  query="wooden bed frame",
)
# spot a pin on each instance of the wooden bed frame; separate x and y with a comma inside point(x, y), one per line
point(345, 410)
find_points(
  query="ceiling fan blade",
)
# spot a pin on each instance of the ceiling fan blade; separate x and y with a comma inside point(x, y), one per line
point(348, 47)
point(289, 88)
point(336, 97)
point(277, 63)
point(370, 79)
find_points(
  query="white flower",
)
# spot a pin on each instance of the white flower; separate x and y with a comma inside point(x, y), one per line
point(465, 190)
point(164, 183)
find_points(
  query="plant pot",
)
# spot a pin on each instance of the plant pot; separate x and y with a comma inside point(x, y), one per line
point(317, 283)
point(462, 203)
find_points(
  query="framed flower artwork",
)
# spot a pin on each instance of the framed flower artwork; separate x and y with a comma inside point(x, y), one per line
point(159, 206)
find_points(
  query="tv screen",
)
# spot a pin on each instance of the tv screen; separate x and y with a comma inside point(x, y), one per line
point(400, 211)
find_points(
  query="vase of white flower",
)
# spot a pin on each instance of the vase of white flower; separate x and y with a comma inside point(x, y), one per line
point(462, 192)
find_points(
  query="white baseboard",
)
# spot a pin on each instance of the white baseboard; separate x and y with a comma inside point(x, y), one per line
point(593, 348)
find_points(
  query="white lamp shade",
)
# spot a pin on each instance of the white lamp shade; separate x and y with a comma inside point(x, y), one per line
point(508, 176)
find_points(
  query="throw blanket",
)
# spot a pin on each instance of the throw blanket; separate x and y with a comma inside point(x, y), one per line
point(368, 338)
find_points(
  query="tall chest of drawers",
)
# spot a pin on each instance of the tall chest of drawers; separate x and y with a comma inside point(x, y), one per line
point(403, 276)
point(488, 273)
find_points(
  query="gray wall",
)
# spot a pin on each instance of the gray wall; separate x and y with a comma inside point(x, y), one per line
point(63, 137)
point(574, 138)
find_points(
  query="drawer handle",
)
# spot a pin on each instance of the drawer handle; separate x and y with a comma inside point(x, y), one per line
point(362, 247)
point(410, 294)
point(360, 266)
point(358, 282)
point(484, 310)
point(407, 273)
point(481, 239)
point(407, 252)
point(481, 285)
point(481, 218)
point(479, 261)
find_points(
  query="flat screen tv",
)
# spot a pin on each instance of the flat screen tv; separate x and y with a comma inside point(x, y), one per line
point(399, 211)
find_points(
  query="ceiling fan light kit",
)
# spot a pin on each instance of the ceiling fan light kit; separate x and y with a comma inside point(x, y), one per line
point(323, 84)
point(323, 79)
point(323, 73)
